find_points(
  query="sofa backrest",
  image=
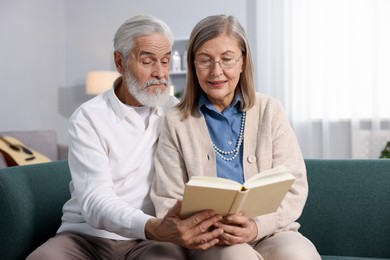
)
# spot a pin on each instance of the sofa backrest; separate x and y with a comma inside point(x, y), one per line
point(348, 211)
point(31, 200)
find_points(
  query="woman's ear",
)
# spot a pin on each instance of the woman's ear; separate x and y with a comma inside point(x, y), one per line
point(119, 61)
point(243, 63)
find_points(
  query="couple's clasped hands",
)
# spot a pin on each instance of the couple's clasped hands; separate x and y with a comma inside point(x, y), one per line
point(202, 230)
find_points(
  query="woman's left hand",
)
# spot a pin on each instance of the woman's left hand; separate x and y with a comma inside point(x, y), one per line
point(238, 229)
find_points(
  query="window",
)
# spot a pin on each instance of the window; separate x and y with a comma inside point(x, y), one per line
point(341, 57)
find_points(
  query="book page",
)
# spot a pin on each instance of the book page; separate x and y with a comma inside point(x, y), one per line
point(273, 175)
point(214, 182)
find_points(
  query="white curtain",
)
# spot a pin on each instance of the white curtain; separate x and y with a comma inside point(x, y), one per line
point(328, 62)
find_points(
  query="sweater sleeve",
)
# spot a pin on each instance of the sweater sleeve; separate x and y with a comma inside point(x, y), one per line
point(171, 176)
point(278, 145)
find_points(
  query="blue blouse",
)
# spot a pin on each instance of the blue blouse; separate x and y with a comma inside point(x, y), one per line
point(224, 130)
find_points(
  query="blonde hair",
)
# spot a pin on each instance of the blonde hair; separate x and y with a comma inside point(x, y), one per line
point(207, 29)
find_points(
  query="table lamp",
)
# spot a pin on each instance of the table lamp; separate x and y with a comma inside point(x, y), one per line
point(100, 81)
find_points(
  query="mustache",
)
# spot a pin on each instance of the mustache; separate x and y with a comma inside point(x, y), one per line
point(155, 82)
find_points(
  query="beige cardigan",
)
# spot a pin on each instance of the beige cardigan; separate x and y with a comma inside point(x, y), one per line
point(185, 149)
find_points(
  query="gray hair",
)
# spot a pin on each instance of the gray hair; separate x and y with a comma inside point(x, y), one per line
point(209, 28)
point(139, 25)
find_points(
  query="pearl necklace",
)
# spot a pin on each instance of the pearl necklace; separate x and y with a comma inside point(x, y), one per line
point(234, 152)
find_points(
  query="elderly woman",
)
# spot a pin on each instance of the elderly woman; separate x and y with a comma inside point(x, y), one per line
point(223, 128)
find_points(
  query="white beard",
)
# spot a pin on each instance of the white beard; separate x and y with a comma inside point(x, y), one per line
point(141, 94)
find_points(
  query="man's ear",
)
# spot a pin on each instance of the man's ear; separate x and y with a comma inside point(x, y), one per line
point(119, 61)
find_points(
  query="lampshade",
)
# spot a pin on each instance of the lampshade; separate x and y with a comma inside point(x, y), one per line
point(100, 81)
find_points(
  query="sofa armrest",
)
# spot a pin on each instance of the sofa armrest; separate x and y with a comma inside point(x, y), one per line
point(31, 200)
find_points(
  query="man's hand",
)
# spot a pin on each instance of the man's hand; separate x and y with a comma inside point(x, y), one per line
point(238, 229)
point(195, 232)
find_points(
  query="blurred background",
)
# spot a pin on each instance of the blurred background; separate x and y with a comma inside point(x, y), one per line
point(327, 61)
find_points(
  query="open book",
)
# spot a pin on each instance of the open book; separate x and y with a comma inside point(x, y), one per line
point(261, 194)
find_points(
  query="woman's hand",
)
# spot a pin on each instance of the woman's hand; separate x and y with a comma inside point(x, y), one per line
point(238, 229)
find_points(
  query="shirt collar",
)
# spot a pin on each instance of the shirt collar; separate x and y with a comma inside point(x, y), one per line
point(204, 103)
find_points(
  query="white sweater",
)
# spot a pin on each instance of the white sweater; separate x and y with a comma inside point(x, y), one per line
point(111, 163)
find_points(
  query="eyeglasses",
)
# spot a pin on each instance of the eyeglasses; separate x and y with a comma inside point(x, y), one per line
point(226, 63)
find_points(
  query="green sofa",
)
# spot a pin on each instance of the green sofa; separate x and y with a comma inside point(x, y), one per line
point(347, 215)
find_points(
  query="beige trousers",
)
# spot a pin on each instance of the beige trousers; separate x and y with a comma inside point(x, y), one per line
point(286, 245)
point(66, 246)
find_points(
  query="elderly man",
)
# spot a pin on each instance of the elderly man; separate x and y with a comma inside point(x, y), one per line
point(112, 140)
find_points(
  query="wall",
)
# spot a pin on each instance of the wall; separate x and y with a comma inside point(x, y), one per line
point(32, 64)
point(47, 47)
